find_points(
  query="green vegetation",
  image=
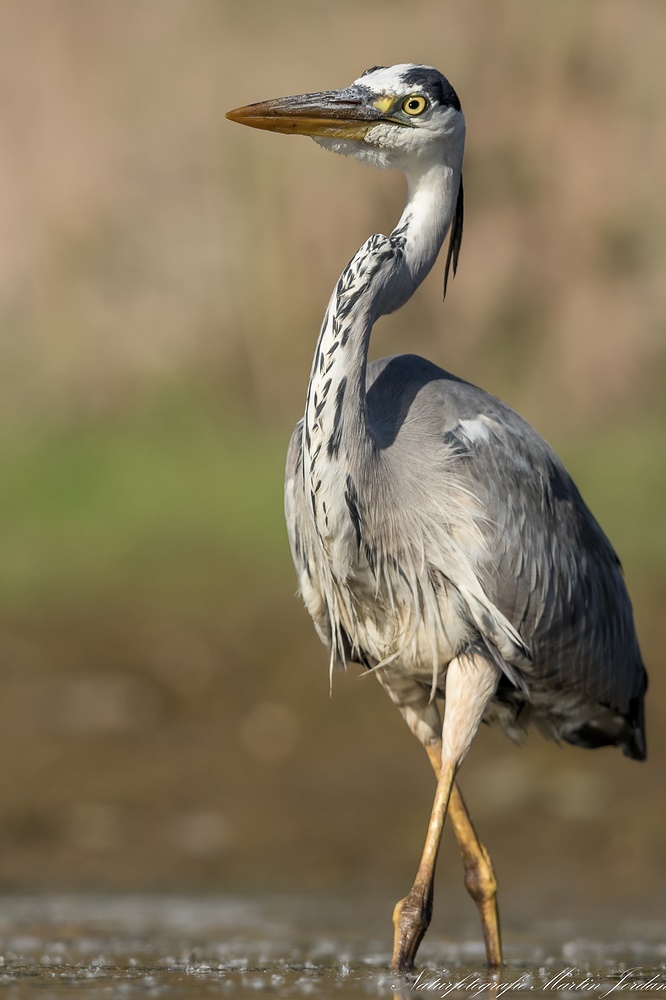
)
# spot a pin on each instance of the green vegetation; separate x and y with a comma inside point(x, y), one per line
point(176, 501)
point(621, 472)
point(163, 503)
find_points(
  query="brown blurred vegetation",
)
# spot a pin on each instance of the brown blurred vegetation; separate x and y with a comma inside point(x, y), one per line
point(164, 702)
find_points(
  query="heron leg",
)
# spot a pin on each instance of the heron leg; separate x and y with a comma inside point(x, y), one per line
point(412, 915)
point(470, 684)
point(480, 880)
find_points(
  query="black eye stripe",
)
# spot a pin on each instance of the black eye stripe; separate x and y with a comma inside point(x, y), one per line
point(431, 82)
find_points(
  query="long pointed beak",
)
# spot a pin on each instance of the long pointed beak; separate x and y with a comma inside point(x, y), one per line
point(346, 114)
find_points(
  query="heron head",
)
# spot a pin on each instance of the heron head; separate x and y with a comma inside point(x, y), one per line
point(391, 116)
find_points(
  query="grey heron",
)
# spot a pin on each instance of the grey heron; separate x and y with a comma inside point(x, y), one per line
point(438, 539)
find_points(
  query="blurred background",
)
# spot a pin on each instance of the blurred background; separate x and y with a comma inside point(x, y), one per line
point(164, 704)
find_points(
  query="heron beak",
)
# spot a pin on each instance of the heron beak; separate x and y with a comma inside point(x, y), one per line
point(347, 114)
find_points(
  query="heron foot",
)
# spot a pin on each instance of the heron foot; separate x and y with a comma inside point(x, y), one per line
point(411, 919)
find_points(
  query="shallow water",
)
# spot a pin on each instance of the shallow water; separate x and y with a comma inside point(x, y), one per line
point(172, 947)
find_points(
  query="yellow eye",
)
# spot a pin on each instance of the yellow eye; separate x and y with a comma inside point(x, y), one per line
point(415, 104)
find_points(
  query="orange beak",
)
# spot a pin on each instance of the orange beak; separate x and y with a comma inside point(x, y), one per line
point(347, 114)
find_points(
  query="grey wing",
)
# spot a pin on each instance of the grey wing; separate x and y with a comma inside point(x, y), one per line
point(548, 567)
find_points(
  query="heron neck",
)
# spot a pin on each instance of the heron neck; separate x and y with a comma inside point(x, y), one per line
point(432, 192)
point(379, 279)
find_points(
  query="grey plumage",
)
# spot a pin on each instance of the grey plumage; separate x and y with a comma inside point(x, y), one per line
point(437, 538)
point(457, 527)
point(544, 562)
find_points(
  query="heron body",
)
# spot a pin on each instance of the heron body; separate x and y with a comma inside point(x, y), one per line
point(515, 565)
point(437, 538)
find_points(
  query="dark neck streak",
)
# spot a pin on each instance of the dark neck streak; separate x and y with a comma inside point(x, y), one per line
point(379, 279)
point(335, 424)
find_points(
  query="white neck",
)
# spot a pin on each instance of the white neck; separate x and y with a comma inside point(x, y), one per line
point(432, 192)
point(379, 279)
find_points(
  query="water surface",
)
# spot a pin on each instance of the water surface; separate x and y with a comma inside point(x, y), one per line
point(174, 947)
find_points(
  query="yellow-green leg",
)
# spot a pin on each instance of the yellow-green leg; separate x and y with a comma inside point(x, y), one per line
point(480, 880)
point(412, 914)
point(470, 684)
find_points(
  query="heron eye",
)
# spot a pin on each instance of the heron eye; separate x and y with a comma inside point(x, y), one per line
point(415, 104)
